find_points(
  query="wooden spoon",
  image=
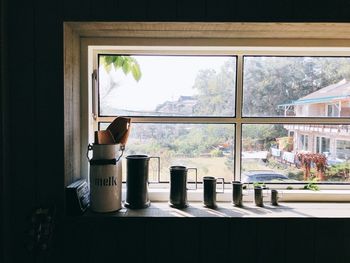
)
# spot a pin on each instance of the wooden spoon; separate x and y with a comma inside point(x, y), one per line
point(104, 137)
point(119, 128)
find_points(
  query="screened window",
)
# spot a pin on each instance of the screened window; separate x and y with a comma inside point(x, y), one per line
point(157, 91)
point(188, 86)
point(238, 116)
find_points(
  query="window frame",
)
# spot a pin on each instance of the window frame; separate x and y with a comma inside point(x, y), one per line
point(238, 119)
point(257, 38)
point(332, 108)
point(304, 142)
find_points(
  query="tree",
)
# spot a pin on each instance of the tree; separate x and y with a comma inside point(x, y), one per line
point(307, 159)
point(271, 81)
point(216, 93)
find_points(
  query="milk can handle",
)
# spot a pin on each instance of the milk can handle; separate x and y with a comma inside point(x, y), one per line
point(196, 177)
point(89, 148)
point(122, 148)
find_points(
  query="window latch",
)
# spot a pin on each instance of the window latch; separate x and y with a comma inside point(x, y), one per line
point(94, 94)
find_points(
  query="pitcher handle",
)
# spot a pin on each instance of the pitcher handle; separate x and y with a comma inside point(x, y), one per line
point(223, 184)
point(193, 168)
point(157, 157)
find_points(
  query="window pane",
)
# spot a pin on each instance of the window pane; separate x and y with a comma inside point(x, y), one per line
point(275, 152)
point(343, 149)
point(207, 147)
point(296, 86)
point(167, 85)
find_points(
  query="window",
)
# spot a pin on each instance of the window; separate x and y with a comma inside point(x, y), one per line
point(343, 149)
point(323, 145)
point(192, 87)
point(185, 113)
point(304, 141)
point(333, 110)
point(278, 89)
point(277, 107)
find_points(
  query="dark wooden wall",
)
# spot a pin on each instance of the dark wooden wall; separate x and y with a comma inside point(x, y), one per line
point(32, 144)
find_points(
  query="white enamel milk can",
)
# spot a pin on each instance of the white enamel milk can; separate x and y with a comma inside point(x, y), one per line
point(105, 177)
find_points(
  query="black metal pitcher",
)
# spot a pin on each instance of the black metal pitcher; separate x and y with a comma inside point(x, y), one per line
point(178, 186)
point(137, 181)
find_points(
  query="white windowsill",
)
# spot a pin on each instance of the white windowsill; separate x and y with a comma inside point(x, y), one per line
point(162, 195)
point(227, 210)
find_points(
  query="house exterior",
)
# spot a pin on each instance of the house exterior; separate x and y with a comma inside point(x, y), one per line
point(332, 140)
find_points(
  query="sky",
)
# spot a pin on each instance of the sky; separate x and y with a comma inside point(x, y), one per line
point(163, 78)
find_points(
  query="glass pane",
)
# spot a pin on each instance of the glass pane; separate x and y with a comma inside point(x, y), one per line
point(207, 147)
point(296, 86)
point(167, 85)
point(277, 153)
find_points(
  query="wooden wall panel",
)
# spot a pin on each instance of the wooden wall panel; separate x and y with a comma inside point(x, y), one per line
point(345, 238)
point(74, 241)
point(214, 240)
point(221, 10)
point(243, 234)
point(193, 10)
point(325, 11)
point(270, 240)
point(132, 10)
point(328, 241)
point(48, 57)
point(104, 9)
point(249, 10)
point(159, 239)
point(159, 10)
point(299, 240)
point(4, 135)
point(132, 243)
point(185, 242)
point(274, 10)
point(75, 10)
point(103, 239)
point(22, 178)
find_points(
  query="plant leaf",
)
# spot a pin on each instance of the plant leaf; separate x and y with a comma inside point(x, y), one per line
point(126, 66)
point(136, 72)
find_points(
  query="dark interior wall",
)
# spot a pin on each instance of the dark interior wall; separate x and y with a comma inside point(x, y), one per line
point(32, 142)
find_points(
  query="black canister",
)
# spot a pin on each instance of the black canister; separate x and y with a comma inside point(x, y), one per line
point(137, 181)
point(274, 197)
point(209, 190)
point(258, 196)
point(237, 193)
point(178, 186)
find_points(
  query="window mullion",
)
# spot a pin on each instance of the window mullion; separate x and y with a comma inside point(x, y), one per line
point(238, 120)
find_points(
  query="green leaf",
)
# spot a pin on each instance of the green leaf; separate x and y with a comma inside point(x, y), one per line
point(136, 72)
point(118, 61)
point(126, 66)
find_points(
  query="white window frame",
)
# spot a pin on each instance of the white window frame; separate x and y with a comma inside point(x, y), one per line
point(279, 39)
point(319, 143)
point(304, 142)
point(238, 120)
point(336, 145)
point(334, 106)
